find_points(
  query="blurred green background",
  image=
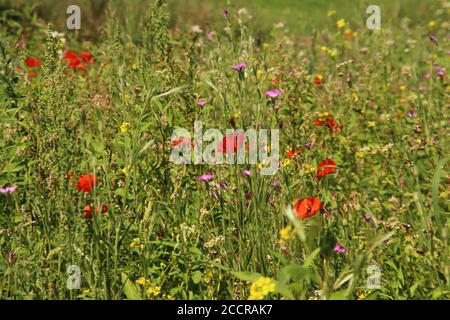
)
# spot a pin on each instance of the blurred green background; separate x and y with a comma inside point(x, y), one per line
point(300, 16)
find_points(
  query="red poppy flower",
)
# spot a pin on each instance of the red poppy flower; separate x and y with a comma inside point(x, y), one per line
point(86, 183)
point(74, 62)
point(87, 57)
point(88, 212)
point(231, 143)
point(33, 62)
point(325, 168)
point(307, 207)
point(319, 122)
point(105, 208)
point(293, 154)
point(71, 55)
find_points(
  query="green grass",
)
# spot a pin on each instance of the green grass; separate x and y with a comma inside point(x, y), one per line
point(167, 235)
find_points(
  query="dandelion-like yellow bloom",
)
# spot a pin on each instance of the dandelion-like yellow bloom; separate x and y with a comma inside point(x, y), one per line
point(371, 124)
point(266, 45)
point(431, 24)
point(260, 288)
point(355, 97)
point(341, 23)
point(331, 13)
point(286, 233)
point(134, 66)
point(125, 126)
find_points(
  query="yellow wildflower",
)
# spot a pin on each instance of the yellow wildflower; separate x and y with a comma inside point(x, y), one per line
point(266, 45)
point(431, 24)
point(126, 170)
point(286, 233)
point(286, 163)
point(260, 288)
point(136, 243)
point(341, 23)
point(331, 13)
point(153, 292)
point(134, 66)
point(355, 97)
point(371, 124)
point(142, 281)
point(125, 126)
point(308, 168)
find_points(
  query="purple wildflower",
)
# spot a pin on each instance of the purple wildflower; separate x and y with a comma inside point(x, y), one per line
point(249, 195)
point(273, 93)
point(410, 113)
point(10, 189)
point(239, 67)
point(367, 217)
point(339, 249)
point(201, 103)
point(226, 14)
point(432, 38)
point(308, 145)
point(223, 184)
point(210, 36)
point(277, 107)
point(246, 172)
point(206, 177)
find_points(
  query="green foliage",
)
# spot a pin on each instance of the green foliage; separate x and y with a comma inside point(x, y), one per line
point(155, 231)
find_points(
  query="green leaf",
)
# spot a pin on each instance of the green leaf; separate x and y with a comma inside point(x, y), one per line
point(247, 276)
point(197, 276)
point(130, 289)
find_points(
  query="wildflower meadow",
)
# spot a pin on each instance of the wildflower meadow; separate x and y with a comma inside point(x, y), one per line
point(224, 150)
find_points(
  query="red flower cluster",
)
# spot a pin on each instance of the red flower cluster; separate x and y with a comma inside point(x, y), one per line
point(33, 62)
point(79, 62)
point(329, 122)
point(325, 168)
point(307, 207)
